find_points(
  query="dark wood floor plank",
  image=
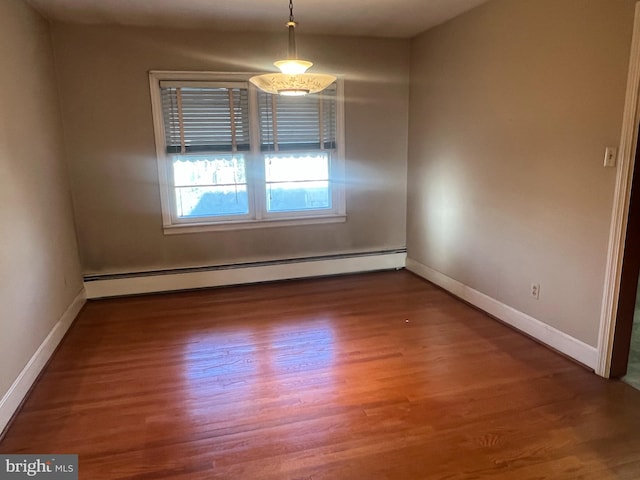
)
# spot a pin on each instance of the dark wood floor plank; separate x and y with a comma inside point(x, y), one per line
point(376, 376)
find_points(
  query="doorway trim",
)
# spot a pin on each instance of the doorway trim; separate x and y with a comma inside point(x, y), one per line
point(622, 195)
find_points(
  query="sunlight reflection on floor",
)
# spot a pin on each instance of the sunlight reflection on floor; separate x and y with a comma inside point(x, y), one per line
point(219, 362)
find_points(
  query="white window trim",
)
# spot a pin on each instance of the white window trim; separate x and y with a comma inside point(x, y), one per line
point(256, 201)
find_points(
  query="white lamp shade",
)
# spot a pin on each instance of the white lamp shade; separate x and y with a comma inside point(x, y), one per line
point(284, 84)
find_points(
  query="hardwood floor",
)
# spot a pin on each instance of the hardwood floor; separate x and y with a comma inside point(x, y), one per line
point(375, 376)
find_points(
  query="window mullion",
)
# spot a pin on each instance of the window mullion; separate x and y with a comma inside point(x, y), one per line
point(256, 177)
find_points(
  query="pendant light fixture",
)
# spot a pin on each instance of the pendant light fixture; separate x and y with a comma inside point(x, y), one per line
point(293, 79)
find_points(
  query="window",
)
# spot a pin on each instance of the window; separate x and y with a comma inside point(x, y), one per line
point(230, 156)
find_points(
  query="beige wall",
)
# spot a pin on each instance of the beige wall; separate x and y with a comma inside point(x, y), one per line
point(39, 266)
point(512, 105)
point(107, 115)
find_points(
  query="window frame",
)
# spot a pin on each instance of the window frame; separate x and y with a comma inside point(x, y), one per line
point(258, 216)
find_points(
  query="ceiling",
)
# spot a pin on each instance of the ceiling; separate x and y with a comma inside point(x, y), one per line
point(377, 18)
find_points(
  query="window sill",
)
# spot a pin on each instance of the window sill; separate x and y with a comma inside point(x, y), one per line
point(183, 228)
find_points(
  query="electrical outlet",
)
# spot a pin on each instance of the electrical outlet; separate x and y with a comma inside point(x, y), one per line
point(535, 290)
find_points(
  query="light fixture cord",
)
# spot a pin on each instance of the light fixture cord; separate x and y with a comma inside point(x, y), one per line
point(291, 25)
point(293, 51)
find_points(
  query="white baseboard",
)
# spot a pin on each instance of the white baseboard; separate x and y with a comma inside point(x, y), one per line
point(242, 274)
point(20, 388)
point(554, 338)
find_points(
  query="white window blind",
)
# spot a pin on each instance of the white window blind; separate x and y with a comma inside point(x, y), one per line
point(298, 123)
point(205, 119)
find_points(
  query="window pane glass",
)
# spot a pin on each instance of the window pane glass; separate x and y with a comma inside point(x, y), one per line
point(297, 167)
point(211, 201)
point(210, 185)
point(297, 182)
point(213, 169)
point(291, 196)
